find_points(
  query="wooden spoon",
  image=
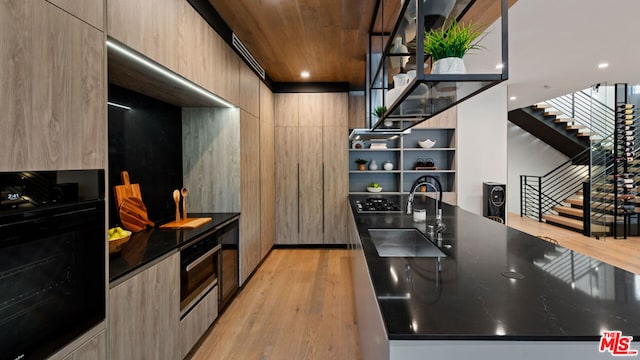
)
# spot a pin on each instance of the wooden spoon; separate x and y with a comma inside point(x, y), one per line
point(176, 199)
point(184, 203)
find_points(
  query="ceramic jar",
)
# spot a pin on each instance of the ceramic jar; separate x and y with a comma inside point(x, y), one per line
point(387, 166)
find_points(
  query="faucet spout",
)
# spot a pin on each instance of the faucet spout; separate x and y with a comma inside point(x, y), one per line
point(424, 180)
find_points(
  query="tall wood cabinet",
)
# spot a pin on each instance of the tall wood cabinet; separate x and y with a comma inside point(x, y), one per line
point(311, 167)
point(267, 171)
point(53, 89)
point(249, 194)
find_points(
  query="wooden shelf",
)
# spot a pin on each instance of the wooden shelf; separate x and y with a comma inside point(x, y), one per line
point(429, 149)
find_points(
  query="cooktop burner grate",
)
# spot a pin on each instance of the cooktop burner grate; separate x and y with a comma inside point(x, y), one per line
point(376, 205)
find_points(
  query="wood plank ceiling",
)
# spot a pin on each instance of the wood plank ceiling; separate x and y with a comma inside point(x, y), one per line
point(328, 38)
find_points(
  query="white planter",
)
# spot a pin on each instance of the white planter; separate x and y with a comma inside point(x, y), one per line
point(450, 65)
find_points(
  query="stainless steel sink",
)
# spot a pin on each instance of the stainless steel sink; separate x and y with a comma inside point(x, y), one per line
point(403, 243)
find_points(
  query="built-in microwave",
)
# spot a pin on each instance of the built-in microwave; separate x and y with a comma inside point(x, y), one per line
point(52, 260)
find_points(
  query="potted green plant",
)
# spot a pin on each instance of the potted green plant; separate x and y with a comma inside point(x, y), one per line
point(448, 44)
point(379, 112)
point(361, 163)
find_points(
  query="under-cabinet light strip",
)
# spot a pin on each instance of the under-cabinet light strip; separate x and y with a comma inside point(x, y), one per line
point(138, 58)
point(119, 105)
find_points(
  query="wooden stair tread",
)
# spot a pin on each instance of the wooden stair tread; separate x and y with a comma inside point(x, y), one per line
point(553, 113)
point(542, 106)
point(576, 200)
point(584, 134)
point(563, 220)
point(569, 211)
point(575, 127)
point(564, 120)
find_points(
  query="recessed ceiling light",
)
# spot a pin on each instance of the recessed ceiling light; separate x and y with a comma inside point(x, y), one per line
point(603, 65)
point(499, 66)
point(513, 98)
point(305, 74)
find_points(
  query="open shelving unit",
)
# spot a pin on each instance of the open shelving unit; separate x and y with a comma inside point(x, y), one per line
point(404, 152)
point(427, 94)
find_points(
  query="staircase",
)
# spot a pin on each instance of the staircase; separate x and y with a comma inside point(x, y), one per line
point(553, 127)
point(570, 215)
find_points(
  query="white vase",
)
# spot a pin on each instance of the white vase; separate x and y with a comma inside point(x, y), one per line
point(373, 165)
point(388, 166)
point(450, 65)
point(398, 48)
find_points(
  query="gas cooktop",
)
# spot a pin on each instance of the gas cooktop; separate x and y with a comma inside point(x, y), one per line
point(376, 205)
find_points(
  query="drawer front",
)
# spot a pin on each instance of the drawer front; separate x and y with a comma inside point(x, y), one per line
point(198, 320)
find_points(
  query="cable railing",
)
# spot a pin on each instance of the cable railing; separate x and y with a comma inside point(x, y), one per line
point(587, 111)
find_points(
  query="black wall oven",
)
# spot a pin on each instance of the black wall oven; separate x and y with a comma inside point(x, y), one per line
point(52, 260)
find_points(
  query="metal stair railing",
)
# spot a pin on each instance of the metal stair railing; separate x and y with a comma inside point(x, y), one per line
point(594, 115)
point(540, 194)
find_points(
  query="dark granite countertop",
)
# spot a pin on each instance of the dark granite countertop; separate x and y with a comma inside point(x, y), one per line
point(149, 245)
point(465, 296)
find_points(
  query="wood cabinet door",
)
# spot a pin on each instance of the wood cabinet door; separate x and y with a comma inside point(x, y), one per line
point(335, 108)
point(53, 89)
point(311, 188)
point(249, 193)
point(91, 11)
point(310, 109)
point(144, 313)
point(267, 171)
point(286, 109)
point(147, 26)
point(286, 173)
point(335, 184)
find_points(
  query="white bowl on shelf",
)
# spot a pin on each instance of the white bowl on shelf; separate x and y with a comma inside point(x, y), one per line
point(374, 190)
point(426, 144)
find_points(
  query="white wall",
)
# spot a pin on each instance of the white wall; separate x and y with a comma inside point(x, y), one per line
point(527, 155)
point(481, 145)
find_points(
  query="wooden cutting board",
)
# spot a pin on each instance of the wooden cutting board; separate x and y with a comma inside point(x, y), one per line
point(133, 215)
point(126, 190)
point(186, 223)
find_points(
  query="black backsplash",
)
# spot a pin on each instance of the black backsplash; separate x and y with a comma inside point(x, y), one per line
point(146, 141)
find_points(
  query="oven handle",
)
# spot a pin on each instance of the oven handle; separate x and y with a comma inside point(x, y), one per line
point(203, 258)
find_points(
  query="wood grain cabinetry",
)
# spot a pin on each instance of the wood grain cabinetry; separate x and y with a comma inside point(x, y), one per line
point(310, 181)
point(336, 184)
point(286, 183)
point(311, 167)
point(249, 194)
point(357, 116)
point(95, 349)
point(90, 11)
point(53, 97)
point(147, 26)
point(249, 100)
point(267, 171)
point(197, 321)
point(144, 313)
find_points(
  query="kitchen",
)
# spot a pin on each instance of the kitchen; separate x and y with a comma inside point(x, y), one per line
point(58, 114)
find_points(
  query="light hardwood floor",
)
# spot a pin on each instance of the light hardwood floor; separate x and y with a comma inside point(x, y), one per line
point(298, 305)
point(623, 253)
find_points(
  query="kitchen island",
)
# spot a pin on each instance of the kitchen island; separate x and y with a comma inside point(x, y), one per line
point(497, 294)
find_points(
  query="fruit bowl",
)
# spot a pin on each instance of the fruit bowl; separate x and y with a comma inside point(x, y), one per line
point(116, 243)
point(374, 189)
point(426, 144)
